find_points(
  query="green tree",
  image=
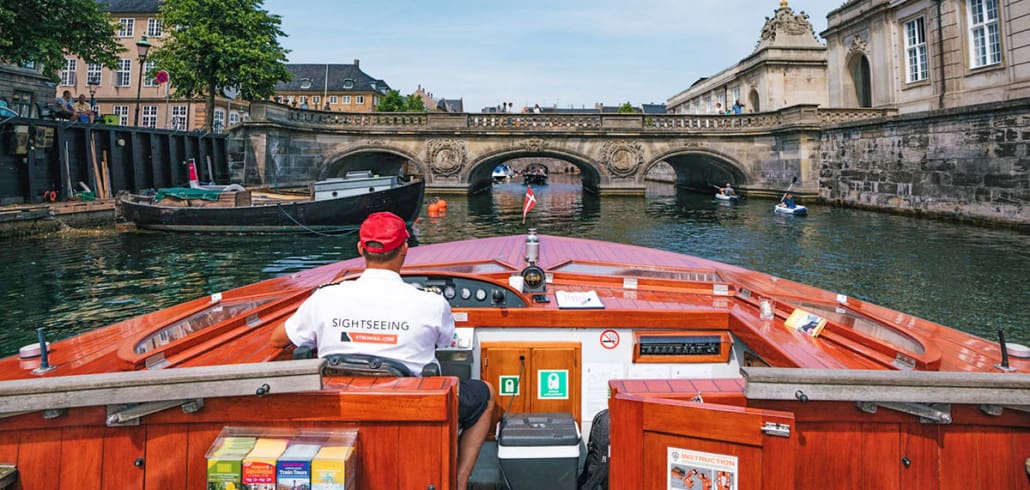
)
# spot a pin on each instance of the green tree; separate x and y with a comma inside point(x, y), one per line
point(391, 102)
point(220, 44)
point(44, 31)
point(626, 108)
point(414, 103)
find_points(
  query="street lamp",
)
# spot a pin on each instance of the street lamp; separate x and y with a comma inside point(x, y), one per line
point(142, 48)
point(93, 83)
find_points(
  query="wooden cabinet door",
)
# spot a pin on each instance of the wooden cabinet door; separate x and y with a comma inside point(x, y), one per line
point(556, 378)
point(556, 363)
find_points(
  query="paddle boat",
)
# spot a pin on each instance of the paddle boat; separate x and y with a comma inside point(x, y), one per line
point(725, 197)
point(797, 210)
point(709, 372)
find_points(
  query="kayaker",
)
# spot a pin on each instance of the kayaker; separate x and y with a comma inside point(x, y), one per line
point(380, 314)
point(788, 201)
point(728, 190)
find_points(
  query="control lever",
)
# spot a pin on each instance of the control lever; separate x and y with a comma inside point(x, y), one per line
point(497, 297)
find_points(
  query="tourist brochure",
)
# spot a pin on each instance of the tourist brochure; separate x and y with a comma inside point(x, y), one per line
point(806, 322)
point(578, 299)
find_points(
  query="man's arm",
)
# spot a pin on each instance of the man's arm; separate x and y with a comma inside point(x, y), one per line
point(279, 337)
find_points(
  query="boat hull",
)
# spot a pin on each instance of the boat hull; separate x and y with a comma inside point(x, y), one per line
point(797, 211)
point(724, 197)
point(340, 214)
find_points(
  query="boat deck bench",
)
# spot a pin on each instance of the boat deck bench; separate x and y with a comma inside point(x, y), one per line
point(726, 391)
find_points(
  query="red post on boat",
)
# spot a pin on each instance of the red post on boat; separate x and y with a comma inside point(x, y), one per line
point(192, 169)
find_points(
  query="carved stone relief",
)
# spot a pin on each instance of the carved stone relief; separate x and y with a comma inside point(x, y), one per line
point(858, 45)
point(534, 144)
point(622, 159)
point(447, 156)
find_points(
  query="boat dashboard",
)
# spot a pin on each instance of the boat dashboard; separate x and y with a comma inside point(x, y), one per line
point(464, 292)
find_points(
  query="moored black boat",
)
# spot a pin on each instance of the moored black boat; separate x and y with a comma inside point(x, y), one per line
point(240, 213)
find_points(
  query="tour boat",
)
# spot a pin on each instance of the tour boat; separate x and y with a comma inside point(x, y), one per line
point(707, 369)
point(334, 205)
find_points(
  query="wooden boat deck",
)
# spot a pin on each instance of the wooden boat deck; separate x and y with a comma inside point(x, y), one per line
point(644, 292)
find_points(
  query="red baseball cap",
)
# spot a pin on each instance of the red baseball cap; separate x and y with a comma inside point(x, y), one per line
point(383, 227)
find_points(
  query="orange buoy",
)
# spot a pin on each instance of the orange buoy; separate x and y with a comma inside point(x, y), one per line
point(441, 204)
point(433, 208)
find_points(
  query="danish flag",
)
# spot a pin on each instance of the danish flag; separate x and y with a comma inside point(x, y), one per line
point(528, 203)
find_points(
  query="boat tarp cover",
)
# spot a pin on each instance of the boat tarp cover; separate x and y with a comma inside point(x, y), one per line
point(187, 193)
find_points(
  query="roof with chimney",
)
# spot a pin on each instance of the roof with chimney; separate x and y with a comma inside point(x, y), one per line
point(129, 6)
point(342, 78)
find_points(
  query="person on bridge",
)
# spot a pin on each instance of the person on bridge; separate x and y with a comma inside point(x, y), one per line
point(353, 317)
point(788, 201)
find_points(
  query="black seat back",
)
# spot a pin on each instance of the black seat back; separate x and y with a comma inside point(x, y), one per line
point(364, 365)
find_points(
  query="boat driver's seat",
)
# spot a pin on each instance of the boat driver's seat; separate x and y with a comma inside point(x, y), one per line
point(364, 365)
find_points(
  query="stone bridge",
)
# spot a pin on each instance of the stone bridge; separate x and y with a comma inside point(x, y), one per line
point(455, 153)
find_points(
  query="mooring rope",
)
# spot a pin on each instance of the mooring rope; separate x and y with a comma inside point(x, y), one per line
point(310, 230)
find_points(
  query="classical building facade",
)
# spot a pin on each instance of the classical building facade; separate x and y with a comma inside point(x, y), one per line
point(330, 87)
point(919, 55)
point(787, 67)
point(114, 91)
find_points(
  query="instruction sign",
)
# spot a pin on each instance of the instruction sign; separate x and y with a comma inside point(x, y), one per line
point(553, 384)
point(696, 469)
point(509, 386)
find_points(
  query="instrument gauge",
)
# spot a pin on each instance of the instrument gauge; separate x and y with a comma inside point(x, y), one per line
point(449, 292)
point(480, 295)
point(466, 293)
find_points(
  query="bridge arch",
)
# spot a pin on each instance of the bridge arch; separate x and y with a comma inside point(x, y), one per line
point(700, 168)
point(478, 174)
point(384, 160)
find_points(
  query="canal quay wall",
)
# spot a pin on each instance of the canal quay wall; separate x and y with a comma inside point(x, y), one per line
point(969, 164)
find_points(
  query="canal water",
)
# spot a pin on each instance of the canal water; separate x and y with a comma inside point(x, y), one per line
point(971, 278)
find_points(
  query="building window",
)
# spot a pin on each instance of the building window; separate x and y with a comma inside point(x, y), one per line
point(303, 99)
point(93, 73)
point(149, 119)
point(234, 118)
point(126, 27)
point(346, 99)
point(149, 81)
point(278, 99)
point(179, 113)
point(316, 99)
point(736, 94)
point(153, 27)
point(122, 111)
point(915, 50)
point(348, 84)
point(984, 33)
point(219, 120)
point(123, 76)
point(333, 99)
point(359, 99)
point(375, 100)
point(68, 73)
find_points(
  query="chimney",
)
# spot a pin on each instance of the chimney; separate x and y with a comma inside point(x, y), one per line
point(356, 62)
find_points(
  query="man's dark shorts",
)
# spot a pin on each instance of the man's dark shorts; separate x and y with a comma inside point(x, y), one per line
point(473, 396)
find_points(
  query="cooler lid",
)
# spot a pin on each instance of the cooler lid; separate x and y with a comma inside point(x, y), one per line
point(538, 429)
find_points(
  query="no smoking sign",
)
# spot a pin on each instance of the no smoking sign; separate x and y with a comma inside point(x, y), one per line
point(609, 339)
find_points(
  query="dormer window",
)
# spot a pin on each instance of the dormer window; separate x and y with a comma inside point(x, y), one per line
point(348, 83)
point(305, 83)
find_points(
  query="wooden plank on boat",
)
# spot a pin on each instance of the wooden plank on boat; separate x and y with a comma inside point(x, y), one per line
point(886, 386)
point(160, 385)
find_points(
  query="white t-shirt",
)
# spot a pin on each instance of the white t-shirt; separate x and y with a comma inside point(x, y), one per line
point(377, 314)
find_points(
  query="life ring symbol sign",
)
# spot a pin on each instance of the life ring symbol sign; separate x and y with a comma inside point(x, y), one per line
point(609, 339)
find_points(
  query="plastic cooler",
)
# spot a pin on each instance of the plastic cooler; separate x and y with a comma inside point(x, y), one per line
point(539, 450)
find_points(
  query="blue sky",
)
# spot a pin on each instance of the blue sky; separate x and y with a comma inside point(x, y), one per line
point(557, 52)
